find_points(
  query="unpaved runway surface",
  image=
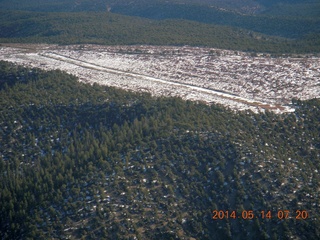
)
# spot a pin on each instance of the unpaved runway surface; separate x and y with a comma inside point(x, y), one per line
point(234, 79)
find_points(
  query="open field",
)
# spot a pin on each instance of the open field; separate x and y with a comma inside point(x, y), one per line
point(234, 79)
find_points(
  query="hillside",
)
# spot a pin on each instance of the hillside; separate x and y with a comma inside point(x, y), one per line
point(290, 19)
point(115, 29)
point(299, 8)
point(274, 25)
point(95, 162)
point(240, 6)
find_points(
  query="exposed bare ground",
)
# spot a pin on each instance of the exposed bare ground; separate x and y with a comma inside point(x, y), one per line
point(234, 79)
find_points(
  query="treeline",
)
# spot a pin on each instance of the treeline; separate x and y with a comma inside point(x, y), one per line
point(97, 162)
point(113, 29)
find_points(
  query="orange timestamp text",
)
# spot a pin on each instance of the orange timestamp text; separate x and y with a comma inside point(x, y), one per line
point(250, 214)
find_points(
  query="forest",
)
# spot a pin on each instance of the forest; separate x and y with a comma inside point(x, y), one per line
point(276, 24)
point(293, 19)
point(95, 162)
point(114, 29)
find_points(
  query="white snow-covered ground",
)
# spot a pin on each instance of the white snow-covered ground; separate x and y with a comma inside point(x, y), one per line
point(234, 79)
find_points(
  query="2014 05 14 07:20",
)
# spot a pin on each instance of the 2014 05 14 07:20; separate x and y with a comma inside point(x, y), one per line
point(263, 214)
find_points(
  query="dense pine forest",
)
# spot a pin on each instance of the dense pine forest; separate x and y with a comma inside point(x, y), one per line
point(94, 162)
point(114, 29)
point(276, 27)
